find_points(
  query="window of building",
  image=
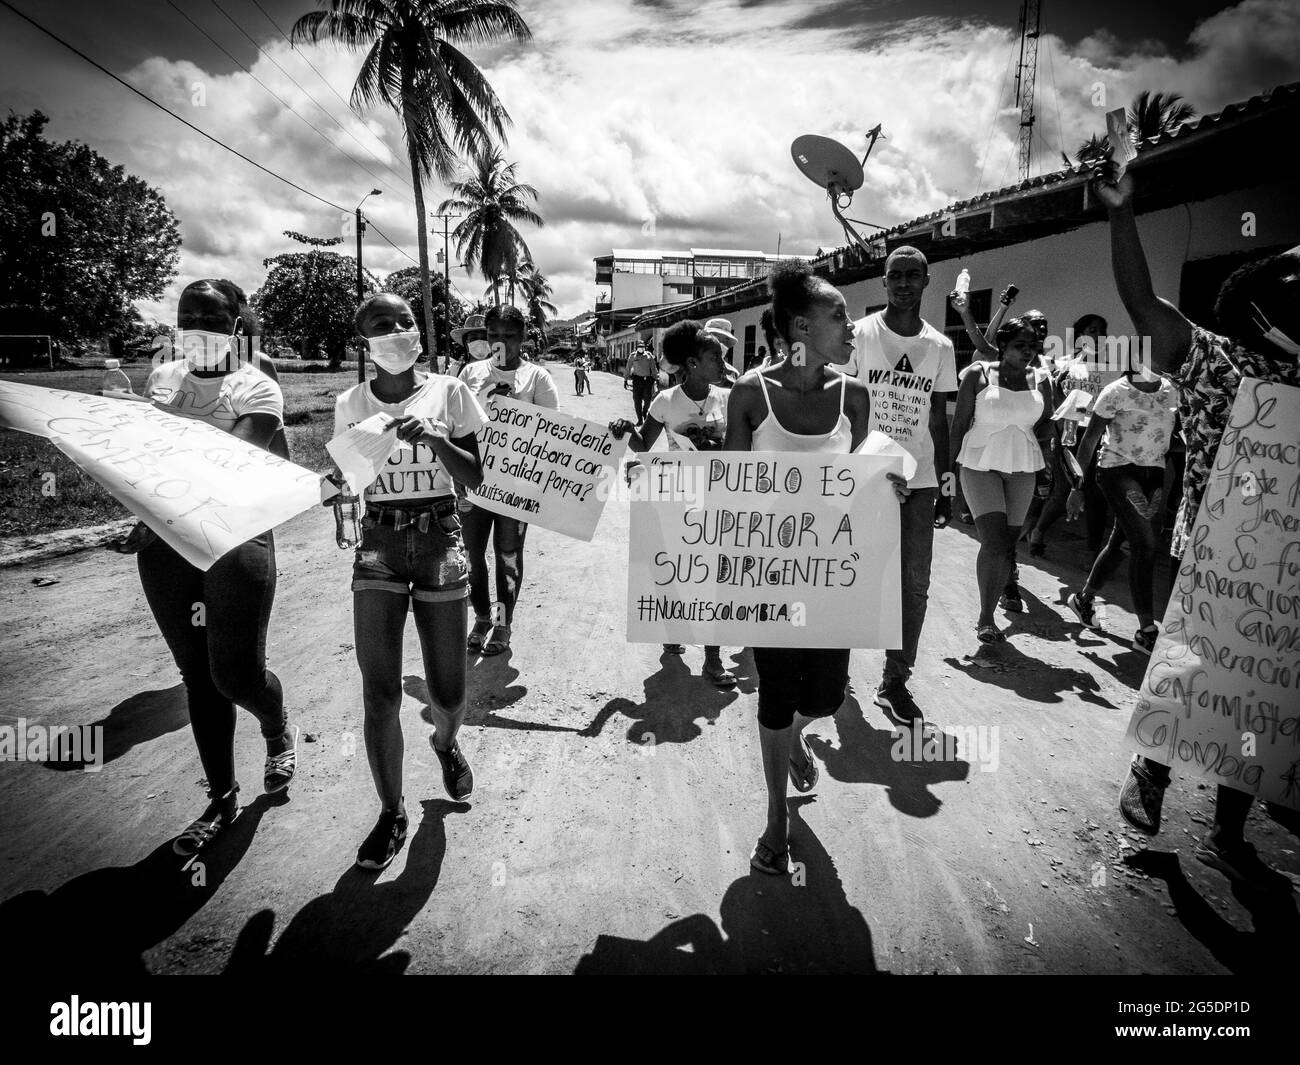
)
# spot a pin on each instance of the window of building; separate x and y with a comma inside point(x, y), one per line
point(981, 301)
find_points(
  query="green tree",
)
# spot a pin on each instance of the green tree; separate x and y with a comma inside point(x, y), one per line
point(492, 201)
point(309, 299)
point(406, 283)
point(536, 291)
point(413, 65)
point(80, 238)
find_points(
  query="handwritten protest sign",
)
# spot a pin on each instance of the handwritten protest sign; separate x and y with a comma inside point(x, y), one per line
point(200, 489)
point(765, 549)
point(546, 468)
point(1221, 697)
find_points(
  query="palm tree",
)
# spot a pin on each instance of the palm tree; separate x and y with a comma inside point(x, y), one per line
point(1092, 150)
point(446, 106)
point(492, 201)
point(536, 290)
point(1154, 113)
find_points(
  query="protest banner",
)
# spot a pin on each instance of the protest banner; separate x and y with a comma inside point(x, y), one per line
point(765, 549)
point(200, 489)
point(546, 468)
point(1221, 696)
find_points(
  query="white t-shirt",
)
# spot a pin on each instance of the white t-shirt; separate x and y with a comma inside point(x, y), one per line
point(529, 383)
point(219, 401)
point(1141, 423)
point(413, 470)
point(706, 418)
point(903, 373)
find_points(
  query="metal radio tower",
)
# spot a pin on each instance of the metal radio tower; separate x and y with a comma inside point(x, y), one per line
point(1030, 18)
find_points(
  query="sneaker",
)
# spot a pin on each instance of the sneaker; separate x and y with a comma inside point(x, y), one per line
point(1241, 864)
point(457, 777)
point(1084, 609)
point(384, 841)
point(221, 813)
point(1011, 601)
point(1141, 797)
point(893, 696)
point(280, 768)
point(1144, 640)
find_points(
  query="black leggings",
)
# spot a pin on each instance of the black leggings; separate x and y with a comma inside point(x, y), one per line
point(1136, 497)
point(215, 623)
point(508, 547)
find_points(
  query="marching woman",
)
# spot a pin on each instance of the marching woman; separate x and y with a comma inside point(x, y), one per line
point(215, 621)
point(801, 404)
point(997, 433)
point(695, 410)
point(1134, 420)
point(410, 558)
point(503, 374)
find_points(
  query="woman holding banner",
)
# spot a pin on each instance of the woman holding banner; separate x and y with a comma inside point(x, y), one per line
point(695, 415)
point(410, 558)
point(503, 374)
point(215, 622)
point(799, 404)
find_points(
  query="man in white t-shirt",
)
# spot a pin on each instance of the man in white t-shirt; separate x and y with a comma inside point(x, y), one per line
point(911, 370)
point(502, 373)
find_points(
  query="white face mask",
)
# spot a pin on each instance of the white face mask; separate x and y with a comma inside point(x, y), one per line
point(204, 349)
point(395, 352)
point(1273, 333)
point(478, 349)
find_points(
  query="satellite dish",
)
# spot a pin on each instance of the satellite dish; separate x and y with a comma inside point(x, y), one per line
point(836, 169)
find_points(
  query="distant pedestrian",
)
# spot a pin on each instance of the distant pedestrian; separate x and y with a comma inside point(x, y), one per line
point(640, 376)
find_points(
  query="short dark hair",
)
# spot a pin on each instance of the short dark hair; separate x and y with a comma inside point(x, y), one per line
point(681, 342)
point(1081, 323)
point(768, 326)
point(369, 302)
point(794, 288)
point(1231, 309)
point(506, 312)
point(234, 298)
point(906, 251)
point(1011, 328)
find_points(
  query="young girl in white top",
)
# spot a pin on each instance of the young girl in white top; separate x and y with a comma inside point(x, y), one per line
point(411, 557)
point(1002, 412)
point(798, 404)
point(695, 415)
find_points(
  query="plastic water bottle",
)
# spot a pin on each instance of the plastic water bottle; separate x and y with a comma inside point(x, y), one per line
point(114, 380)
point(347, 522)
point(963, 282)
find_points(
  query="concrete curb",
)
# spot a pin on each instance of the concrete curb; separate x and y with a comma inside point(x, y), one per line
point(20, 550)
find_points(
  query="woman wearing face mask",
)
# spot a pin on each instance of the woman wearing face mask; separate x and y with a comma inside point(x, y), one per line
point(473, 337)
point(695, 415)
point(222, 658)
point(1133, 419)
point(1001, 409)
point(802, 404)
point(504, 373)
point(410, 557)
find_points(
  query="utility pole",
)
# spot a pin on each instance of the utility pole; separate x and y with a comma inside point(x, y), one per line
point(361, 293)
point(446, 283)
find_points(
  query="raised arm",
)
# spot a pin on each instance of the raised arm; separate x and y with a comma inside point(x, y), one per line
point(961, 304)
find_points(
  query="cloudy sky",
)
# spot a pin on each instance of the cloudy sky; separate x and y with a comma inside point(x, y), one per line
point(628, 115)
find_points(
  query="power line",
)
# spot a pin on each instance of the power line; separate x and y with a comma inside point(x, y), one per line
point(303, 56)
point(371, 223)
point(144, 96)
point(1056, 96)
point(271, 59)
point(993, 123)
point(283, 103)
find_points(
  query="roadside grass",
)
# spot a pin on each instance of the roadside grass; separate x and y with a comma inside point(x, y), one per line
point(76, 500)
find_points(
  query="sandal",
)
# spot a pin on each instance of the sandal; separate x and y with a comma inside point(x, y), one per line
point(499, 642)
point(280, 768)
point(804, 782)
point(720, 675)
point(482, 628)
point(990, 634)
point(767, 859)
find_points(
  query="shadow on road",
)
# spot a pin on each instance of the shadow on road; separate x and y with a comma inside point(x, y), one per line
point(350, 928)
point(802, 923)
point(1005, 666)
point(138, 719)
point(674, 698)
point(100, 923)
point(864, 755)
point(488, 688)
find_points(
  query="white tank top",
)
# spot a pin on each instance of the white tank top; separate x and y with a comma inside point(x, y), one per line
point(771, 436)
point(1002, 435)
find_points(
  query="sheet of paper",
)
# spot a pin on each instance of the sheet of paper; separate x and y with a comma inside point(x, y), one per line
point(1120, 143)
point(363, 450)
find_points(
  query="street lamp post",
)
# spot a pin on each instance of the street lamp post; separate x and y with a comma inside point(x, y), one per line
point(361, 228)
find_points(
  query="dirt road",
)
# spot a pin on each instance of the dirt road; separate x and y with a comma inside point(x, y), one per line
point(617, 796)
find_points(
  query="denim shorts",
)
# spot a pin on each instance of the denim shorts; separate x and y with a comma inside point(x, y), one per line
point(429, 566)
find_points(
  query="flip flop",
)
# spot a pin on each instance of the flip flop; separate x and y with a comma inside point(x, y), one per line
point(499, 642)
point(767, 859)
point(804, 783)
point(720, 675)
point(480, 632)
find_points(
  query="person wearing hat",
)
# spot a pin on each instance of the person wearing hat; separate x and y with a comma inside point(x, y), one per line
point(472, 336)
point(720, 329)
point(642, 372)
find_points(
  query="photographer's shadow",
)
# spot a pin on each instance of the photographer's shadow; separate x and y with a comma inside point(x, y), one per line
point(675, 699)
